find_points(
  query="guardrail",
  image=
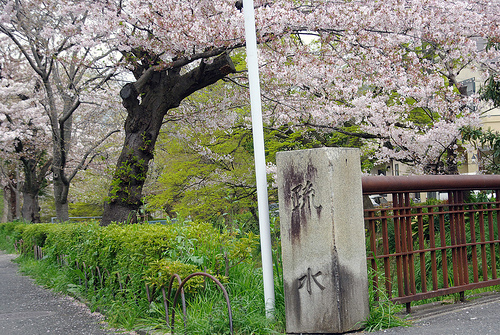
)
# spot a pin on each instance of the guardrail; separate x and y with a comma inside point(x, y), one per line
point(426, 251)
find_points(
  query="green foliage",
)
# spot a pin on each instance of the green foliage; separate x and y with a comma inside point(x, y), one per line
point(1, 202)
point(36, 234)
point(422, 117)
point(9, 233)
point(132, 171)
point(239, 60)
point(208, 313)
point(215, 179)
point(82, 209)
point(491, 91)
point(206, 186)
point(285, 138)
point(160, 272)
point(47, 208)
point(75, 209)
point(238, 251)
point(135, 249)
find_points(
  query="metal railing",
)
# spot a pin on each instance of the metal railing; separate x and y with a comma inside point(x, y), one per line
point(424, 251)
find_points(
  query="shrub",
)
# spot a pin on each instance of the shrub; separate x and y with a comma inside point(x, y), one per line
point(139, 250)
point(160, 272)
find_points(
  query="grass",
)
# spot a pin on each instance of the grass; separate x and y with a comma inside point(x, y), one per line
point(383, 312)
point(7, 244)
point(383, 316)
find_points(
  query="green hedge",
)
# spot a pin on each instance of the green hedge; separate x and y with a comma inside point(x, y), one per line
point(143, 252)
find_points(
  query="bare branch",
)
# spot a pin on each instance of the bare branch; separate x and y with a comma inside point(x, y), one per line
point(83, 163)
point(23, 50)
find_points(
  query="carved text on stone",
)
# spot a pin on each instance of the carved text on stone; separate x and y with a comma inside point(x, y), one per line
point(303, 195)
point(307, 279)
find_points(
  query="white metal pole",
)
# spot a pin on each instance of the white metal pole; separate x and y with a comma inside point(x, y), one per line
point(259, 156)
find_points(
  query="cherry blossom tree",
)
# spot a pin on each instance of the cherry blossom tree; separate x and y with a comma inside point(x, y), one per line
point(11, 192)
point(203, 167)
point(72, 76)
point(389, 66)
point(394, 69)
point(24, 133)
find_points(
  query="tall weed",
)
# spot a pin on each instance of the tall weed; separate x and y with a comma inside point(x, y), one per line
point(383, 312)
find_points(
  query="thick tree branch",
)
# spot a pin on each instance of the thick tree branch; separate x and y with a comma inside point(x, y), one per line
point(144, 78)
point(69, 112)
point(205, 75)
point(44, 170)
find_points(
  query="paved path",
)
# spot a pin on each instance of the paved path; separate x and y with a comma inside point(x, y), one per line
point(477, 316)
point(28, 309)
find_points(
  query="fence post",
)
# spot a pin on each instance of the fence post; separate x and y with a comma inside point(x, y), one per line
point(323, 240)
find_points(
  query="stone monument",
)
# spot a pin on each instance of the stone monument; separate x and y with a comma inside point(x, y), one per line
point(323, 240)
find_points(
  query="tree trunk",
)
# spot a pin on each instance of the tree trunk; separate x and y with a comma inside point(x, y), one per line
point(61, 139)
point(30, 189)
point(12, 202)
point(125, 195)
point(33, 179)
point(60, 181)
point(17, 192)
point(8, 196)
point(31, 209)
point(5, 209)
point(159, 91)
point(61, 200)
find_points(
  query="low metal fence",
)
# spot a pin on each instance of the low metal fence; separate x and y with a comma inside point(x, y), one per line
point(95, 277)
point(419, 251)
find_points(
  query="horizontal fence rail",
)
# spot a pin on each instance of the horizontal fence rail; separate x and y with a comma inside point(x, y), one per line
point(428, 250)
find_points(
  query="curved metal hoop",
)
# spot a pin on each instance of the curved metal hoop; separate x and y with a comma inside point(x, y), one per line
point(216, 281)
